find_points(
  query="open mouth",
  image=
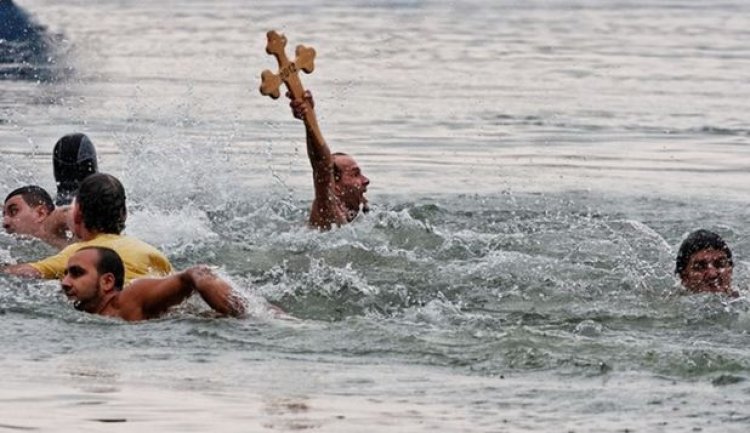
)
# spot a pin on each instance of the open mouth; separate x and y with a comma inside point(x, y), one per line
point(714, 286)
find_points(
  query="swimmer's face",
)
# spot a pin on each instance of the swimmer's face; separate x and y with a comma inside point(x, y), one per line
point(20, 218)
point(82, 282)
point(351, 186)
point(708, 270)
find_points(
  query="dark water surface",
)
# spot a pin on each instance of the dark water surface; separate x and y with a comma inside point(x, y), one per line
point(534, 166)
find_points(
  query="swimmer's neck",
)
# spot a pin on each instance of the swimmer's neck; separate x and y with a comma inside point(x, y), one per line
point(85, 235)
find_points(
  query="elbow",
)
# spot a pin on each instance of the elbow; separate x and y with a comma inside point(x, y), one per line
point(187, 279)
point(195, 275)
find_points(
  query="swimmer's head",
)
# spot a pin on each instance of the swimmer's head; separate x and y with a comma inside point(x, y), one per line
point(109, 262)
point(73, 159)
point(90, 274)
point(704, 263)
point(100, 205)
point(25, 209)
point(351, 184)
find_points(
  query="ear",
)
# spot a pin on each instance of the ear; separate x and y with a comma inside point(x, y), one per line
point(683, 277)
point(107, 282)
point(76, 214)
point(337, 186)
point(41, 212)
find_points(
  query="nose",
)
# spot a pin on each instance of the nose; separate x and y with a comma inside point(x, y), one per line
point(712, 272)
point(365, 180)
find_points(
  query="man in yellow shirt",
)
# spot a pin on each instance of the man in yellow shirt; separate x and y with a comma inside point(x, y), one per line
point(98, 217)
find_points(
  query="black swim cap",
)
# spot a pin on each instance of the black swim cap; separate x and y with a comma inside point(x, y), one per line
point(73, 158)
point(697, 241)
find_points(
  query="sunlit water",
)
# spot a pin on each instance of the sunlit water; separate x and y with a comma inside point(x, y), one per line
point(534, 166)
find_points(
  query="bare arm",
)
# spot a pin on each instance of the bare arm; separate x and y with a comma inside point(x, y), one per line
point(217, 293)
point(56, 228)
point(150, 297)
point(154, 296)
point(22, 270)
point(323, 214)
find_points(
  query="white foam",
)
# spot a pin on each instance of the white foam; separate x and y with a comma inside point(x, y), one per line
point(171, 229)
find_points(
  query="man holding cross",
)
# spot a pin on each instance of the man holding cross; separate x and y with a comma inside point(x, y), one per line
point(340, 186)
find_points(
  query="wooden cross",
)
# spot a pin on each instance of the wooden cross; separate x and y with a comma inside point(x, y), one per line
point(288, 74)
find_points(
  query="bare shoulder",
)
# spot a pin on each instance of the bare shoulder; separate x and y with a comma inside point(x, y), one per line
point(141, 299)
point(57, 220)
point(138, 288)
point(324, 214)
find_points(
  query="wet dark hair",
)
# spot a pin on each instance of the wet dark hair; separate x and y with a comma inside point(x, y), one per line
point(697, 241)
point(336, 169)
point(33, 196)
point(109, 263)
point(73, 159)
point(101, 199)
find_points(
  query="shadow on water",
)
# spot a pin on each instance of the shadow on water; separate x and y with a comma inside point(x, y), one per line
point(28, 51)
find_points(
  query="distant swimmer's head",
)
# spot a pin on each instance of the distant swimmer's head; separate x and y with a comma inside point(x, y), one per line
point(25, 210)
point(351, 184)
point(73, 159)
point(704, 263)
point(90, 275)
point(100, 205)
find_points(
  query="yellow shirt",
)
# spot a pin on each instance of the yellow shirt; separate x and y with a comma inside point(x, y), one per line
point(140, 259)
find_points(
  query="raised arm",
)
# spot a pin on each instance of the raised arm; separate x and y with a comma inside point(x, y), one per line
point(323, 213)
point(150, 297)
